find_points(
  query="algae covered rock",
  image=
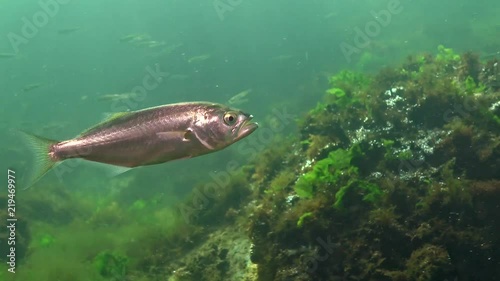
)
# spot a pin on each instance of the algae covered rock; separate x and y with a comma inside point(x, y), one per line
point(398, 171)
point(225, 255)
point(430, 263)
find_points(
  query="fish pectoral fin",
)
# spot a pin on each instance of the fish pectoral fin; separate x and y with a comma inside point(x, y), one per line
point(186, 135)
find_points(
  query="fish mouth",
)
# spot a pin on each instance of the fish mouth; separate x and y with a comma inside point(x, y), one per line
point(246, 128)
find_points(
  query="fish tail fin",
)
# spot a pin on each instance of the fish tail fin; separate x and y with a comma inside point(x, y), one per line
point(42, 162)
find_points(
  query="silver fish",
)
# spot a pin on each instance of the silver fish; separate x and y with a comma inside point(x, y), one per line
point(7, 55)
point(239, 98)
point(117, 97)
point(197, 59)
point(68, 30)
point(149, 136)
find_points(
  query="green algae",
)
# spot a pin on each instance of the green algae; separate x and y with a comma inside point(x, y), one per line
point(371, 192)
point(302, 218)
point(328, 172)
point(472, 87)
point(325, 171)
point(446, 55)
point(138, 205)
point(46, 240)
point(111, 265)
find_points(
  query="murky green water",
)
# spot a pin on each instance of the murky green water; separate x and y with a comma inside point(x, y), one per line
point(64, 64)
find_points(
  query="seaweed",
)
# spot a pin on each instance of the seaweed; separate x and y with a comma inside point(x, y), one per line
point(390, 171)
point(325, 171)
point(430, 262)
point(302, 218)
point(112, 266)
point(470, 67)
point(370, 192)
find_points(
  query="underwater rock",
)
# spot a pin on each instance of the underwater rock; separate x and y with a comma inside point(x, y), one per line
point(225, 255)
point(408, 198)
point(490, 74)
point(430, 263)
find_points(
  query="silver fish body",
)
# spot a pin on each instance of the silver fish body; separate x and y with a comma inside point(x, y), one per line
point(151, 136)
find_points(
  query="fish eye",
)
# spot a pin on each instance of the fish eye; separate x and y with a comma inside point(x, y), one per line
point(230, 118)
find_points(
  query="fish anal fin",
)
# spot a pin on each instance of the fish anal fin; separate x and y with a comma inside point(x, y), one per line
point(109, 170)
point(113, 171)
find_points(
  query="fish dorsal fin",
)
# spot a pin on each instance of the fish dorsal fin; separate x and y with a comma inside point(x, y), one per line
point(108, 117)
point(113, 115)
